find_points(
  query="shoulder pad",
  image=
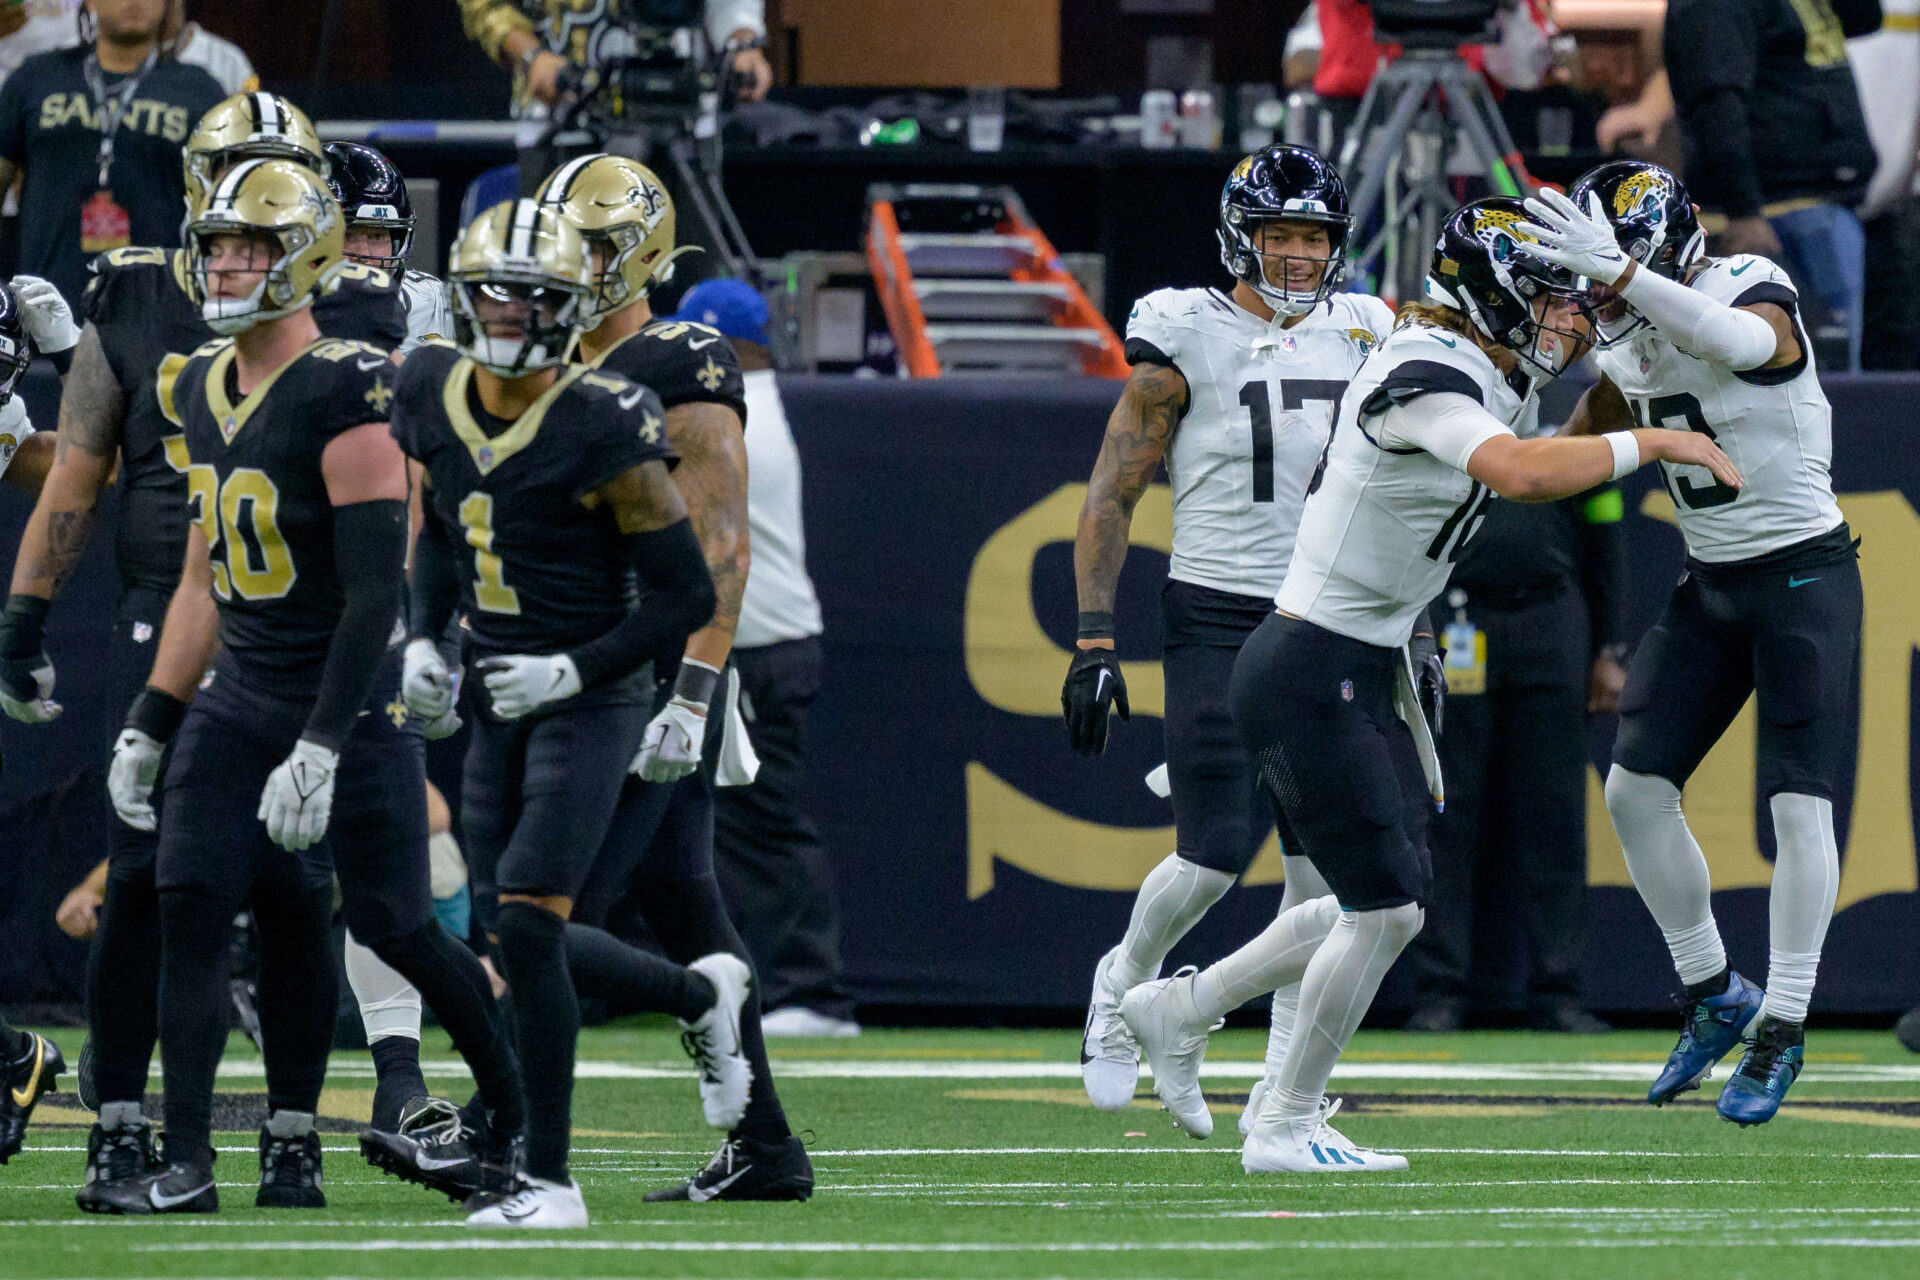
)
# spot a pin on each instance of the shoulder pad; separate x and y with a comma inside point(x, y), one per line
point(1174, 306)
point(212, 348)
point(1730, 280)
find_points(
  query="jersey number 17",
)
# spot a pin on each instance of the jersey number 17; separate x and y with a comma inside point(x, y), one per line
point(1257, 396)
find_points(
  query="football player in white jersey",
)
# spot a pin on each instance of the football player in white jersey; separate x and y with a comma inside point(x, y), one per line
point(380, 220)
point(1323, 692)
point(1236, 392)
point(1770, 603)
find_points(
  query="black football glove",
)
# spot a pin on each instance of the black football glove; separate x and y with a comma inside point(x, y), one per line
point(1429, 678)
point(1094, 683)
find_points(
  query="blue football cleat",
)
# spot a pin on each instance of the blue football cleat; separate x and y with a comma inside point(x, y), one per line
point(1712, 1029)
point(1764, 1075)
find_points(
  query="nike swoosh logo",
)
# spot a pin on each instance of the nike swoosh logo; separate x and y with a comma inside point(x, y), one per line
point(1100, 684)
point(1737, 270)
point(364, 365)
point(27, 1096)
point(1801, 582)
point(553, 682)
point(632, 398)
point(1437, 338)
point(167, 1202)
point(699, 1196)
point(704, 342)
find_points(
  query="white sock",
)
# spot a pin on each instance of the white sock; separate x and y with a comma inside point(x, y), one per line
point(389, 1005)
point(1335, 992)
point(1276, 958)
point(1668, 869)
point(1806, 878)
point(1304, 883)
point(1171, 901)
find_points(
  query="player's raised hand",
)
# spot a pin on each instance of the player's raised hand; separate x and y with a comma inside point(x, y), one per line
point(1094, 684)
point(1565, 235)
point(519, 682)
point(26, 673)
point(46, 315)
point(1692, 449)
point(130, 778)
point(430, 689)
point(298, 798)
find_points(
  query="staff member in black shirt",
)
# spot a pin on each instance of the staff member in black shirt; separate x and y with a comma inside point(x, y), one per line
point(96, 133)
point(1531, 626)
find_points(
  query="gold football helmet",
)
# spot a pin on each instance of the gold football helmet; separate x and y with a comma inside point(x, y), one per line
point(281, 201)
point(247, 126)
point(518, 285)
point(621, 209)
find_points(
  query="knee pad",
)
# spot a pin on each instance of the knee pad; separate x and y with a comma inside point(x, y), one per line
point(524, 929)
point(1395, 926)
point(1638, 795)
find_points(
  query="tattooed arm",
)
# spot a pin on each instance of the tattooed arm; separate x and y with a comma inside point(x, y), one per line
point(1138, 433)
point(92, 411)
point(712, 476)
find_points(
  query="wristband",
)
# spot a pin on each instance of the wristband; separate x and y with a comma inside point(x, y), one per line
point(156, 713)
point(696, 681)
point(1095, 625)
point(1626, 453)
point(26, 617)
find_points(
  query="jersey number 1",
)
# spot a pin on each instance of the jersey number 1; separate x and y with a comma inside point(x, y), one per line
point(490, 589)
point(1257, 397)
point(1658, 411)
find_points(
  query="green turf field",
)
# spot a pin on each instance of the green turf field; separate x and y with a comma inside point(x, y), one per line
point(945, 1154)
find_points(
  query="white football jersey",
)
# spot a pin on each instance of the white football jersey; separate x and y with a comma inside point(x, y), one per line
point(14, 429)
point(1775, 424)
point(428, 315)
point(1261, 400)
point(1386, 516)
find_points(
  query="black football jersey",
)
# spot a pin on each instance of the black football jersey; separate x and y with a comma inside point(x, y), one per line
point(256, 491)
point(148, 326)
point(682, 362)
point(547, 572)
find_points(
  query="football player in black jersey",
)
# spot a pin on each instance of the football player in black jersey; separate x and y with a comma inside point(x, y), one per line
point(546, 493)
point(660, 848)
point(290, 589)
point(140, 327)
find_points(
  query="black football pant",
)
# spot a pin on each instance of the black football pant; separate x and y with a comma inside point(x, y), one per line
point(1515, 763)
point(773, 870)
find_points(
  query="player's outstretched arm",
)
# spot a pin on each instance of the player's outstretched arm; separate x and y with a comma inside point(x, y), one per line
point(1546, 469)
point(1602, 408)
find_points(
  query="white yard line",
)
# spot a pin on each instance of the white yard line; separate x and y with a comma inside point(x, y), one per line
point(492, 1244)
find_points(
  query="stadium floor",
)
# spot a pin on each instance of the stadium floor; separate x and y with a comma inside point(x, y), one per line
point(971, 1153)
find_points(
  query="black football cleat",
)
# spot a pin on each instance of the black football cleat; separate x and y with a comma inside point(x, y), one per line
point(83, 1081)
point(23, 1082)
point(746, 1169)
point(290, 1172)
point(172, 1188)
point(438, 1147)
point(116, 1160)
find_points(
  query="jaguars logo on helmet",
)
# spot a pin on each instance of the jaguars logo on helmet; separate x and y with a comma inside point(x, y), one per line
point(1653, 221)
point(1283, 184)
point(526, 267)
point(247, 126)
point(626, 216)
point(285, 203)
point(1477, 270)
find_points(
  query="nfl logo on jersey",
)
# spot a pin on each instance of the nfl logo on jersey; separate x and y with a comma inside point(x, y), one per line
point(1346, 691)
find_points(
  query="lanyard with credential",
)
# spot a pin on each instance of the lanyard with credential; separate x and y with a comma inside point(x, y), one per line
point(109, 111)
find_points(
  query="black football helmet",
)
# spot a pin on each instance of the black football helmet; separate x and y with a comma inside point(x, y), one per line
point(373, 194)
point(1477, 269)
point(16, 351)
point(1654, 222)
point(1291, 184)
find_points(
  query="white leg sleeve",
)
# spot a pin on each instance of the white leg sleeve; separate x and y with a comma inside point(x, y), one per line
point(1304, 884)
point(1339, 985)
point(1171, 901)
point(389, 1005)
point(1806, 877)
point(1276, 958)
point(1668, 869)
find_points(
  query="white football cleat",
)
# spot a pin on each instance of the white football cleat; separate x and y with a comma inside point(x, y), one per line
point(713, 1040)
point(796, 1020)
point(1308, 1144)
point(1174, 1045)
point(1109, 1055)
point(1255, 1096)
point(537, 1203)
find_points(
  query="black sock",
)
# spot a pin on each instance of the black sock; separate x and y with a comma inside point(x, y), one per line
point(123, 987)
point(299, 985)
point(1715, 986)
point(13, 1044)
point(396, 1070)
point(546, 1016)
point(194, 1015)
point(631, 980)
point(453, 984)
point(690, 919)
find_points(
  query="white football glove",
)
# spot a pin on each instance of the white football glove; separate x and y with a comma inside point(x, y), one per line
point(1581, 241)
point(130, 778)
point(519, 682)
point(48, 319)
point(673, 742)
point(39, 708)
point(430, 689)
point(298, 798)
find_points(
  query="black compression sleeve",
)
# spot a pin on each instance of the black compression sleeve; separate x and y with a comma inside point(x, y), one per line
point(369, 548)
point(434, 588)
point(679, 601)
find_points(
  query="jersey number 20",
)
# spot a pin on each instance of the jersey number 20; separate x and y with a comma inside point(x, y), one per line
point(1257, 396)
point(239, 519)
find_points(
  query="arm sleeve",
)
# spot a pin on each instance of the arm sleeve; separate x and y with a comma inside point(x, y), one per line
point(434, 586)
point(1712, 58)
point(490, 22)
point(1603, 564)
point(1445, 424)
point(677, 602)
point(1714, 331)
point(369, 546)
